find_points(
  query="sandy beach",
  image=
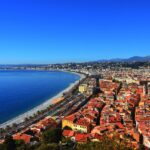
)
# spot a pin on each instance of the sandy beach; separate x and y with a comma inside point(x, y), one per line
point(42, 106)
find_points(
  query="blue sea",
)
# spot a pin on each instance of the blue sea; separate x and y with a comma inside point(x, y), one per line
point(21, 91)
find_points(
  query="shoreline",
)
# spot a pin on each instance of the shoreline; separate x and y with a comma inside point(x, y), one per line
point(20, 118)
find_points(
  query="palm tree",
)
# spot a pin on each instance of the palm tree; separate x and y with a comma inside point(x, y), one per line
point(26, 119)
point(7, 128)
point(39, 112)
point(2, 131)
point(14, 125)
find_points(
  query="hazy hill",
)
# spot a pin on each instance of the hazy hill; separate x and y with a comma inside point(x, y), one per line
point(131, 59)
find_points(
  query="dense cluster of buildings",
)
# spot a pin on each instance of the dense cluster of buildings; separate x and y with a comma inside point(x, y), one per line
point(83, 121)
point(32, 134)
point(88, 86)
point(121, 110)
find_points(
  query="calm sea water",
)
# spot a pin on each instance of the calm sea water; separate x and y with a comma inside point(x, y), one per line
point(21, 91)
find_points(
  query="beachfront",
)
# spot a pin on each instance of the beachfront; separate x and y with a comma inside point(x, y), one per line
point(43, 106)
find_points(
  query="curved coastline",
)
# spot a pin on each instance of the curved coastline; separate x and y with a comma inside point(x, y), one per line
point(20, 118)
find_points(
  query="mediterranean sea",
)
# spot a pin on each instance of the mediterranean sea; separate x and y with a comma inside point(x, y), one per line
point(21, 91)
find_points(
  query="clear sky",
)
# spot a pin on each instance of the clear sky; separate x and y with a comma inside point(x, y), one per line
point(51, 31)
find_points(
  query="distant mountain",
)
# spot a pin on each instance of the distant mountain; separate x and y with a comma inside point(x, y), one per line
point(131, 59)
point(137, 58)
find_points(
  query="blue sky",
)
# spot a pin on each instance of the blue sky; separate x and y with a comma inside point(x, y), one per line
point(51, 31)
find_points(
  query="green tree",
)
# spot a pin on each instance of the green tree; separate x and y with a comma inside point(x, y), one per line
point(9, 143)
point(20, 145)
point(2, 147)
point(105, 144)
point(52, 146)
point(52, 135)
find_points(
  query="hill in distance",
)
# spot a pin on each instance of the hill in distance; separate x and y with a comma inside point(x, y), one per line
point(131, 59)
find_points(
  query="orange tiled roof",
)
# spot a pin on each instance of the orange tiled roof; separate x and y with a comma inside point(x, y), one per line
point(68, 133)
point(26, 138)
point(80, 137)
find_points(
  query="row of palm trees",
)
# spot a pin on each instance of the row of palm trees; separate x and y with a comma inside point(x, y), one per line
point(14, 127)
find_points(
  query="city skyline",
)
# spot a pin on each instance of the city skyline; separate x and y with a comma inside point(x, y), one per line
point(43, 32)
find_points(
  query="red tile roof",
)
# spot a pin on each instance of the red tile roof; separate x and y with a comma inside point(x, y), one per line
point(97, 136)
point(120, 125)
point(26, 138)
point(80, 137)
point(68, 133)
